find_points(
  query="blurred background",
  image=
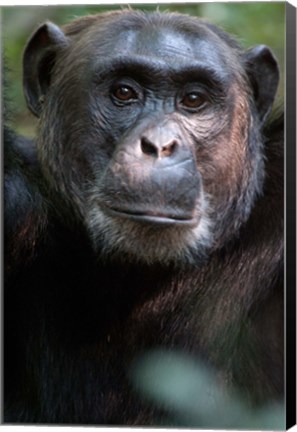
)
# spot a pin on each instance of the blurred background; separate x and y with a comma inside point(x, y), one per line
point(252, 23)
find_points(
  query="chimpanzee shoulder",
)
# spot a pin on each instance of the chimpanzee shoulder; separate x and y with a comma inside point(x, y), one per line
point(24, 211)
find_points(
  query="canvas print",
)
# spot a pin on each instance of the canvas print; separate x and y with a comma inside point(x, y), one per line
point(143, 215)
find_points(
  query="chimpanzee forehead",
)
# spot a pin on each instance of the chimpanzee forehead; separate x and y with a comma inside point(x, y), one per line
point(160, 44)
point(169, 45)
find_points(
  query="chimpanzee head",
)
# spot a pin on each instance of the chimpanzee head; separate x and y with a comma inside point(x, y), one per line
point(150, 129)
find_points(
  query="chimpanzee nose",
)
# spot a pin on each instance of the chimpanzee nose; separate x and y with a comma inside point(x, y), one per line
point(158, 148)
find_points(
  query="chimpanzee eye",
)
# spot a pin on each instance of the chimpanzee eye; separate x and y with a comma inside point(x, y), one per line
point(124, 93)
point(193, 100)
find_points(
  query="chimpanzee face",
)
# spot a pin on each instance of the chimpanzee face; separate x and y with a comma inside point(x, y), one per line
point(151, 126)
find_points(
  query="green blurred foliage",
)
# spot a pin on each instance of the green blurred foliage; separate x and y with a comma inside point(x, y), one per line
point(252, 23)
point(193, 395)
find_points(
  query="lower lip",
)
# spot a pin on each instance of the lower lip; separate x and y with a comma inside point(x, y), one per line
point(152, 219)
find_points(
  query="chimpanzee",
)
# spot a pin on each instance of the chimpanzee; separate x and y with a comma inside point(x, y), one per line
point(147, 215)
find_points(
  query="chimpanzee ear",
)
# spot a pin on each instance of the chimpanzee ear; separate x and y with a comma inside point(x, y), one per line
point(262, 69)
point(38, 60)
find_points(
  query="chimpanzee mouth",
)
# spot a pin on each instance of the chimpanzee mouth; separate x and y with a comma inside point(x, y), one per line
point(154, 217)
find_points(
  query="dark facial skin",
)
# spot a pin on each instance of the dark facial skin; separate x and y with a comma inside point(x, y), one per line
point(151, 89)
point(159, 84)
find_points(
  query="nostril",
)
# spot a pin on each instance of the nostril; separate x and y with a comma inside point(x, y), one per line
point(168, 149)
point(148, 147)
point(158, 150)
